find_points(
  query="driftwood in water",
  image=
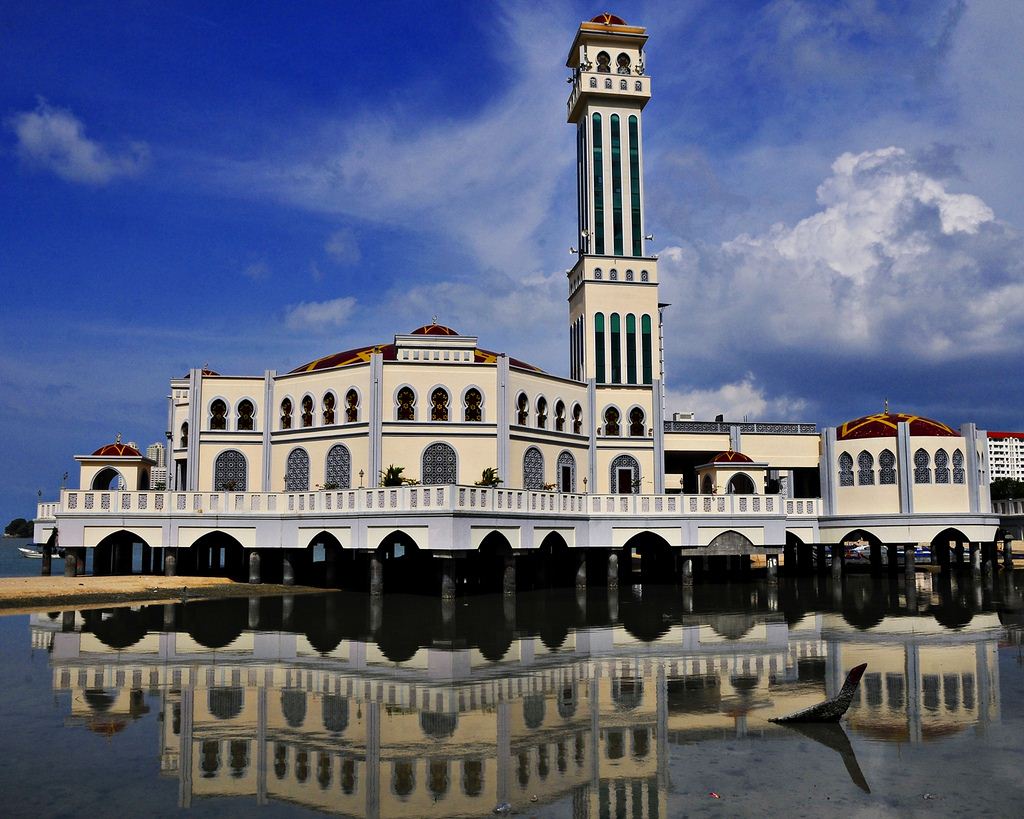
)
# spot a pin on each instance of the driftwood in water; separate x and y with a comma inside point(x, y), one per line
point(831, 710)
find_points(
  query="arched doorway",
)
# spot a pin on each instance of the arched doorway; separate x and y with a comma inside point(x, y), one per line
point(624, 477)
point(108, 479)
point(218, 554)
point(121, 552)
point(647, 558)
point(740, 484)
point(951, 546)
point(566, 472)
point(404, 566)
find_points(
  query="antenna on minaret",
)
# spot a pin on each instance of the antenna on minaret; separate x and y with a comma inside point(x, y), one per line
point(886, 406)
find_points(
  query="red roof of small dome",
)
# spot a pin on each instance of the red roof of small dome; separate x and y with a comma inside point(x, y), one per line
point(883, 425)
point(433, 330)
point(609, 19)
point(116, 450)
point(731, 457)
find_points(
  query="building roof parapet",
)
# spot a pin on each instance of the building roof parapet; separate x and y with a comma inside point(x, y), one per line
point(748, 427)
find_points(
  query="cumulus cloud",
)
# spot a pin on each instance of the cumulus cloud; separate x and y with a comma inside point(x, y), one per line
point(739, 400)
point(892, 264)
point(343, 247)
point(54, 139)
point(318, 316)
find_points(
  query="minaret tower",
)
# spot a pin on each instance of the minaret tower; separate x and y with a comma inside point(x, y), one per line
point(614, 326)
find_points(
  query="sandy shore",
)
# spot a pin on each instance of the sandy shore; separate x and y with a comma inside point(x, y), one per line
point(32, 593)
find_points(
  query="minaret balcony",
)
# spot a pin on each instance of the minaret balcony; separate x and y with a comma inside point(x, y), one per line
point(590, 84)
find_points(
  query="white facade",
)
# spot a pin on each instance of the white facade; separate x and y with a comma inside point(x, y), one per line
point(1006, 455)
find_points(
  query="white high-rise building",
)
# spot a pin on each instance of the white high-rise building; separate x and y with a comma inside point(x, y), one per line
point(155, 452)
point(1006, 455)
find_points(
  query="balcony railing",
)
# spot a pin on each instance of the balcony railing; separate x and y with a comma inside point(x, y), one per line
point(418, 500)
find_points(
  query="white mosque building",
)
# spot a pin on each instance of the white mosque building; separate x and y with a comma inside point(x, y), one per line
point(500, 450)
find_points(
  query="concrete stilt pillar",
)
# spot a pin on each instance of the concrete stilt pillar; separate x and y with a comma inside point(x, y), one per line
point(822, 559)
point(448, 579)
point(892, 558)
point(581, 573)
point(909, 566)
point(168, 616)
point(70, 564)
point(837, 561)
point(508, 577)
point(613, 570)
point(331, 568)
point(772, 568)
point(287, 569)
point(79, 561)
point(773, 596)
point(254, 566)
point(67, 621)
point(254, 613)
point(1007, 551)
point(147, 560)
point(687, 573)
point(376, 613)
point(687, 598)
point(287, 606)
point(170, 565)
point(976, 558)
point(376, 577)
point(47, 568)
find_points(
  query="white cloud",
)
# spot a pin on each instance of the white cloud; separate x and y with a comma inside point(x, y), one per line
point(318, 316)
point(54, 139)
point(257, 271)
point(739, 400)
point(343, 247)
point(892, 265)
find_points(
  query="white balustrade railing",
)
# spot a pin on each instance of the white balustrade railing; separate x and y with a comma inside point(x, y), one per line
point(419, 500)
point(1013, 506)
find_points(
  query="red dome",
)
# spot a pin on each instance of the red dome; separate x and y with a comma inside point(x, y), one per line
point(883, 425)
point(433, 330)
point(609, 19)
point(116, 450)
point(731, 457)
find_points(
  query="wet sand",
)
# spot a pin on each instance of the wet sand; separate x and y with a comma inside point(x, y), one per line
point(31, 593)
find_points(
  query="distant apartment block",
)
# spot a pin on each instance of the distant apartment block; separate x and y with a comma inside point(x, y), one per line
point(1006, 455)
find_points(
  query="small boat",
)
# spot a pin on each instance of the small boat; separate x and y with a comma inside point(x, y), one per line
point(26, 552)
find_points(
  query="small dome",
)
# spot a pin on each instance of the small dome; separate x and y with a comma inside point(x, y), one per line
point(609, 19)
point(205, 372)
point(116, 450)
point(731, 457)
point(433, 330)
point(883, 425)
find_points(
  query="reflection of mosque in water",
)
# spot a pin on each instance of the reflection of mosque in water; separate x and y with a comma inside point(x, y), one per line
point(578, 697)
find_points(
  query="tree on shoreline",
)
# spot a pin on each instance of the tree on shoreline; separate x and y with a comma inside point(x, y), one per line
point(19, 527)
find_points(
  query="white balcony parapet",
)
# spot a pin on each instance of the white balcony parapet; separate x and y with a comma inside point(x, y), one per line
point(447, 499)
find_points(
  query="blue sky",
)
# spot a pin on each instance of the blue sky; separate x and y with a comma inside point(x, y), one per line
point(833, 187)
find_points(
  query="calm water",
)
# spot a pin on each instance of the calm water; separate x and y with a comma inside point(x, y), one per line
point(12, 564)
point(641, 705)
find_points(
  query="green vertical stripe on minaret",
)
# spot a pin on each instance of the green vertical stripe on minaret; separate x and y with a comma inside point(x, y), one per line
point(645, 331)
point(599, 347)
point(616, 185)
point(634, 183)
point(616, 329)
point(598, 187)
point(630, 349)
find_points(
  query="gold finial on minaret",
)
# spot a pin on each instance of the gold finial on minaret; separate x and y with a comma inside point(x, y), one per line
point(117, 440)
point(886, 406)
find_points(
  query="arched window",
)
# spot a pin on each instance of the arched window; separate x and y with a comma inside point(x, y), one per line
point(286, 413)
point(246, 410)
point(472, 777)
point(329, 401)
point(604, 62)
point(439, 404)
point(598, 180)
point(230, 472)
point(184, 435)
point(616, 336)
point(625, 475)
point(846, 469)
point(707, 486)
point(636, 422)
point(622, 63)
point(593, 82)
point(645, 349)
point(577, 419)
point(958, 466)
point(566, 472)
point(403, 777)
point(542, 413)
point(865, 469)
point(616, 185)
point(560, 416)
point(307, 411)
point(630, 348)
point(886, 468)
point(406, 409)
point(351, 406)
point(623, 85)
point(922, 474)
point(941, 466)
point(472, 411)
point(296, 479)
point(338, 471)
point(437, 778)
point(634, 181)
point(533, 469)
point(218, 415)
point(522, 409)
point(740, 484)
point(439, 464)
point(611, 421)
point(599, 347)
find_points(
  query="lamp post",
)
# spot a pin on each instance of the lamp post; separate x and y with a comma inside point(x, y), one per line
point(584, 486)
point(361, 476)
